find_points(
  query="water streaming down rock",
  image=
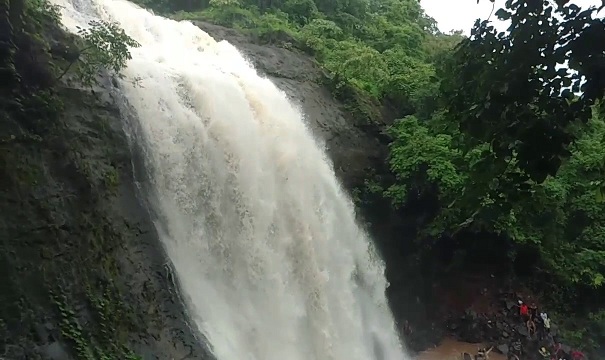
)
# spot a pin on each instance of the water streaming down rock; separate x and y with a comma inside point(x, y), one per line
point(271, 262)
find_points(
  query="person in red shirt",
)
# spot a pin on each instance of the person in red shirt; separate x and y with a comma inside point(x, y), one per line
point(524, 311)
point(577, 355)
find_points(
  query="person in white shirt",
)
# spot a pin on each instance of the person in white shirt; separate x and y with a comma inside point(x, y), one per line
point(547, 324)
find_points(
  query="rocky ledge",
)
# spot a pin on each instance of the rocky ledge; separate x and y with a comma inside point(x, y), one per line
point(509, 334)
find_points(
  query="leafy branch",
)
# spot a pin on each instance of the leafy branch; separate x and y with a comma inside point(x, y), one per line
point(107, 46)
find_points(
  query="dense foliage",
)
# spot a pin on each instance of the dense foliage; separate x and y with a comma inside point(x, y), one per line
point(35, 57)
point(561, 216)
point(516, 147)
point(32, 63)
point(512, 90)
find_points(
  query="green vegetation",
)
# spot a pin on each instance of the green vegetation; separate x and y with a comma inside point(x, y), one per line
point(95, 343)
point(49, 230)
point(511, 150)
point(33, 62)
point(560, 217)
point(104, 46)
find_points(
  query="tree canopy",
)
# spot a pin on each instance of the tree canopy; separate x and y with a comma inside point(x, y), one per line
point(522, 89)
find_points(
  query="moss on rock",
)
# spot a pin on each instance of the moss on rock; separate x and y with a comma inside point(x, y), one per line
point(80, 262)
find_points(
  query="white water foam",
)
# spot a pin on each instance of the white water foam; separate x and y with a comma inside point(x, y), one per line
point(264, 242)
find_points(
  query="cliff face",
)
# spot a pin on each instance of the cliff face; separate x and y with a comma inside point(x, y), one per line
point(82, 271)
point(83, 265)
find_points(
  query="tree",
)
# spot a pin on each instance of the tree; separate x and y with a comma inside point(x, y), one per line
point(510, 89)
point(106, 46)
point(560, 217)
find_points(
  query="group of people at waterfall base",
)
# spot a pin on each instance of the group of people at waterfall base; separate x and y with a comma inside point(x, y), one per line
point(538, 324)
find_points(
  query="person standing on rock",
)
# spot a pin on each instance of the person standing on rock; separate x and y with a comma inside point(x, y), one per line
point(543, 330)
point(533, 312)
point(524, 312)
point(545, 321)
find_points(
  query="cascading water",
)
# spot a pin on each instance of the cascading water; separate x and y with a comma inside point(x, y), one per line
point(265, 245)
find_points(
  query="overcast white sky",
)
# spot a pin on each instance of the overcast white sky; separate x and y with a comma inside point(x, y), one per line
point(461, 14)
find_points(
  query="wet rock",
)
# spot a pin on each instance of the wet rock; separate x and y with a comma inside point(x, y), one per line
point(13, 352)
point(42, 333)
point(508, 333)
point(503, 348)
point(522, 330)
point(510, 304)
point(55, 351)
point(554, 331)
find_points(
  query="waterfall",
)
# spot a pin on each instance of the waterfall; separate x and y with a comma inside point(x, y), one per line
point(264, 242)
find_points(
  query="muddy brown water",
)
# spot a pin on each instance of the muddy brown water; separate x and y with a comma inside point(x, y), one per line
point(450, 349)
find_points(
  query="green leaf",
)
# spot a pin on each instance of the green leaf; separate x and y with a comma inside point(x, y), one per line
point(502, 14)
point(600, 195)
